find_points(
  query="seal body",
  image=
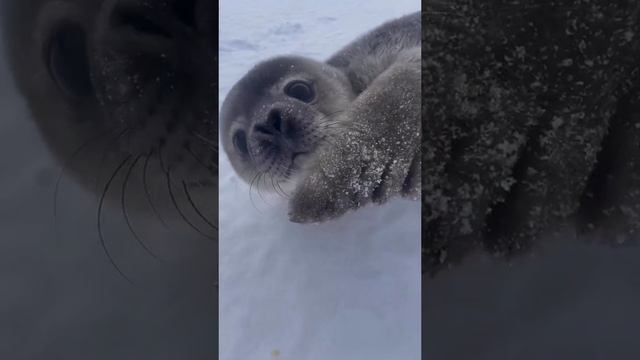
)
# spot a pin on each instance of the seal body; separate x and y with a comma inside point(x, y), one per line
point(337, 134)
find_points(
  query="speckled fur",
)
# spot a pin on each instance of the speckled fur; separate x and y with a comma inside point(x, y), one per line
point(361, 139)
point(376, 156)
point(524, 104)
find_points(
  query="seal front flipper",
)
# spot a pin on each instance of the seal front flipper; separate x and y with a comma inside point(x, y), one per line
point(375, 156)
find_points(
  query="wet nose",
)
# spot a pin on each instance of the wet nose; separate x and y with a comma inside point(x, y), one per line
point(274, 125)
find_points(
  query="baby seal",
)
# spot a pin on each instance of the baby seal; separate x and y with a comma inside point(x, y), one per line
point(339, 134)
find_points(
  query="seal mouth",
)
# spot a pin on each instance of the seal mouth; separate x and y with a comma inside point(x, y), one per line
point(298, 154)
point(297, 158)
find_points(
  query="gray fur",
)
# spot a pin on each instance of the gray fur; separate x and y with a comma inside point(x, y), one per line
point(531, 113)
point(143, 105)
point(360, 138)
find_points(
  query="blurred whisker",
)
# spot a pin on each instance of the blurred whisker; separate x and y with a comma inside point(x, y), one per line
point(125, 213)
point(63, 168)
point(251, 184)
point(147, 192)
point(179, 210)
point(195, 208)
point(108, 146)
point(211, 143)
point(199, 161)
point(99, 220)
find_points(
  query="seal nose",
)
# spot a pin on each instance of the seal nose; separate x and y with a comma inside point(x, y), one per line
point(273, 125)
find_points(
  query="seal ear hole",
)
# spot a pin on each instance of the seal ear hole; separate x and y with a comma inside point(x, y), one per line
point(67, 60)
point(300, 90)
point(240, 142)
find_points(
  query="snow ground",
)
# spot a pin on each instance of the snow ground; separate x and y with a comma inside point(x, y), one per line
point(347, 289)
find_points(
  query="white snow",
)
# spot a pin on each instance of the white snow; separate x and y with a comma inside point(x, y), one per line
point(347, 289)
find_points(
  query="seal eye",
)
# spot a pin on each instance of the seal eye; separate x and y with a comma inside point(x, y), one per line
point(300, 90)
point(68, 62)
point(240, 142)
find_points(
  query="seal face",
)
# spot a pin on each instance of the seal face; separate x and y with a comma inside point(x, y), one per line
point(154, 74)
point(120, 88)
point(278, 114)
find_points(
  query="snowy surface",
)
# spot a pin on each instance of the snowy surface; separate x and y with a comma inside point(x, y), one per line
point(346, 289)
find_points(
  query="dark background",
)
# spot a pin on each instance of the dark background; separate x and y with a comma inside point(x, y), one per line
point(573, 296)
point(568, 300)
point(59, 296)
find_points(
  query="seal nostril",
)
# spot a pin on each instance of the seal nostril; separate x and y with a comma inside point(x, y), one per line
point(275, 120)
point(272, 126)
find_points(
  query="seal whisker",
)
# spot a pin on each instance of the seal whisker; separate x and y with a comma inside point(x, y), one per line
point(199, 161)
point(207, 141)
point(161, 160)
point(264, 178)
point(124, 208)
point(195, 208)
point(179, 210)
point(64, 166)
point(276, 188)
point(251, 184)
point(329, 115)
point(148, 193)
point(99, 220)
point(279, 185)
point(109, 145)
point(258, 187)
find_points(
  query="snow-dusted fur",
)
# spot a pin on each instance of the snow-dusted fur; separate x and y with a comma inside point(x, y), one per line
point(532, 115)
point(360, 136)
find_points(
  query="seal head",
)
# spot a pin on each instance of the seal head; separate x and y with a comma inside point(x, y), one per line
point(278, 114)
